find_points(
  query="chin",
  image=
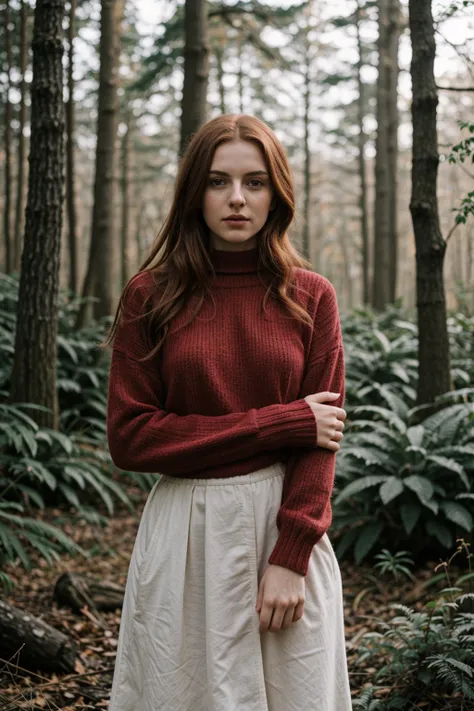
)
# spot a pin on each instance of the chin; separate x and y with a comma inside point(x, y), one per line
point(221, 241)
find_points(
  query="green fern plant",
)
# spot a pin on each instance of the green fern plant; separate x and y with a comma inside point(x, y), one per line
point(398, 483)
point(40, 466)
point(381, 359)
point(382, 356)
point(397, 564)
point(40, 463)
point(461, 346)
point(421, 656)
point(19, 532)
point(82, 368)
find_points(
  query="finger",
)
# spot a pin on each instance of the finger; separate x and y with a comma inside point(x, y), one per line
point(340, 426)
point(265, 616)
point(288, 618)
point(278, 616)
point(341, 414)
point(333, 446)
point(337, 436)
point(322, 397)
point(298, 613)
point(259, 597)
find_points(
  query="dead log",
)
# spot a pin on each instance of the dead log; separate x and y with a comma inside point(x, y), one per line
point(76, 591)
point(29, 642)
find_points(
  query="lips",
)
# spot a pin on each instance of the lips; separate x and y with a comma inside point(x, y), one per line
point(236, 219)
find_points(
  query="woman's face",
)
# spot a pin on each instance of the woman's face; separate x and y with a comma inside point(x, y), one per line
point(238, 184)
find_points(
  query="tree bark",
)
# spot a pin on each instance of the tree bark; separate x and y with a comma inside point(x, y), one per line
point(196, 70)
point(346, 254)
point(362, 141)
point(98, 281)
point(434, 368)
point(240, 75)
point(382, 252)
point(139, 202)
point(306, 127)
point(34, 366)
point(219, 55)
point(19, 210)
point(30, 642)
point(9, 247)
point(125, 189)
point(70, 169)
point(394, 30)
point(76, 591)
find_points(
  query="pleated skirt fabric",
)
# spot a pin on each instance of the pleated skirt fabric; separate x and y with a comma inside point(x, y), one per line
point(189, 635)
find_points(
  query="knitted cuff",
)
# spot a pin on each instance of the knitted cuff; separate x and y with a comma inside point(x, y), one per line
point(293, 548)
point(289, 425)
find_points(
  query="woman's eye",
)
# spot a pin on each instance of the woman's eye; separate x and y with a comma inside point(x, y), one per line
point(219, 182)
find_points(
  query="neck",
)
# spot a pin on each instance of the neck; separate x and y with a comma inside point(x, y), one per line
point(242, 262)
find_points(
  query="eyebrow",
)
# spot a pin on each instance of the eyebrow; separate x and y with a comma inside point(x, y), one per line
point(253, 172)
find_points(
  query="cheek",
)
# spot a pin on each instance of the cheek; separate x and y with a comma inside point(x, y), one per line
point(208, 205)
point(264, 204)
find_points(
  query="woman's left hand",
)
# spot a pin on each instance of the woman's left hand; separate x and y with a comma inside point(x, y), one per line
point(280, 599)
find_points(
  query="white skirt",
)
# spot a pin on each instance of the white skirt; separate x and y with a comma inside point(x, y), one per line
point(189, 634)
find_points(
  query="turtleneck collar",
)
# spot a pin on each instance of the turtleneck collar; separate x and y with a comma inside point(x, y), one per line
point(225, 262)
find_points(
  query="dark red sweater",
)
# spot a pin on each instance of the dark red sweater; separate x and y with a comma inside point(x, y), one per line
point(225, 396)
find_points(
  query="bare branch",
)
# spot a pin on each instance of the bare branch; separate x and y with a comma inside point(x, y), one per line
point(456, 224)
point(455, 88)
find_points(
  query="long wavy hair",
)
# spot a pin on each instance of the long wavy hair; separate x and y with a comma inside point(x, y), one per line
point(179, 260)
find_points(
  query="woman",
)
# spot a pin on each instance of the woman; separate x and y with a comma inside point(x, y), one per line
point(227, 378)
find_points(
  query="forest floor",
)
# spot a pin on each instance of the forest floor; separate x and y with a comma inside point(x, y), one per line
point(367, 596)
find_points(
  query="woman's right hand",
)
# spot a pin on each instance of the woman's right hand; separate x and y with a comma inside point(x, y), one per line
point(329, 420)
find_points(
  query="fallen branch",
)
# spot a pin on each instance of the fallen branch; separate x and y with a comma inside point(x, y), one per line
point(38, 645)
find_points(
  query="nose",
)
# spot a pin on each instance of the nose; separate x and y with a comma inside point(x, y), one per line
point(237, 195)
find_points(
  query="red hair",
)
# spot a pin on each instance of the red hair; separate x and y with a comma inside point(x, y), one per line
point(179, 259)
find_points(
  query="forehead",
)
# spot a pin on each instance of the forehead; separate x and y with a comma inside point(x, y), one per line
point(238, 155)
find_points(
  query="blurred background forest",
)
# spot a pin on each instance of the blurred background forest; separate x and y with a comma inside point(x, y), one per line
point(308, 70)
point(373, 100)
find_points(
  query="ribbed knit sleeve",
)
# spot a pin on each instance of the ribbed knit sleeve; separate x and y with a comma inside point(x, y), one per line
point(305, 513)
point(143, 437)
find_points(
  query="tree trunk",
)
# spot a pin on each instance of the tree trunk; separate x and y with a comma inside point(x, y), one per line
point(219, 55)
point(19, 210)
point(30, 642)
point(307, 152)
point(382, 252)
point(240, 75)
point(125, 189)
point(76, 591)
point(196, 70)
point(139, 202)
point(346, 254)
point(364, 218)
point(98, 281)
point(70, 181)
point(34, 366)
point(393, 38)
point(434, 368)
point(9, 251)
